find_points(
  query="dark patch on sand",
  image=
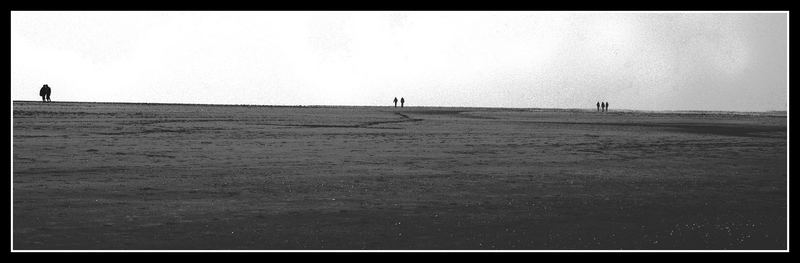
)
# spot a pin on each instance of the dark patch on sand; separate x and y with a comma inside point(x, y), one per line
point(738, 130)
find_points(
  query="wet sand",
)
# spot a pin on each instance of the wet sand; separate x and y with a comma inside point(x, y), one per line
point(156, 176)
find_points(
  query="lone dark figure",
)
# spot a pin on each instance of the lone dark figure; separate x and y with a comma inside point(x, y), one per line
point(598, 106)
point(606, 105)
point(402, 101)
point(395, 102)
point(45, 93)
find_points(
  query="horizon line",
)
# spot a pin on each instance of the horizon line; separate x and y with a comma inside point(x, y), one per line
point(421, 106)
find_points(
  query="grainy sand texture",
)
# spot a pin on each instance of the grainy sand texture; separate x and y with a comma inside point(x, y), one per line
point(97, 176)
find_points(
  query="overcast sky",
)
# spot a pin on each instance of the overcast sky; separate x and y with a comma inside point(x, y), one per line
point(645, 61)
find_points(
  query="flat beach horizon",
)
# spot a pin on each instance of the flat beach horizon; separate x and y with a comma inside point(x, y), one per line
point(588, 109)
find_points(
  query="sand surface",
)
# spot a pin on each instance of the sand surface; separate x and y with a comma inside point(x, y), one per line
point(156, 176)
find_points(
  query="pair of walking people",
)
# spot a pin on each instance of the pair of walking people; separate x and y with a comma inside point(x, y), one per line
point(602, 106)
point(45, 93)
point(402, 101)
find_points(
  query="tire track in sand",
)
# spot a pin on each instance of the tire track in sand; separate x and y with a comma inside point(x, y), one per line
point(369, 125)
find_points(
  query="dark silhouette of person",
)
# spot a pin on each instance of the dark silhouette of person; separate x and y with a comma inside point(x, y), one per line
point(45, 93)
point(606, 105)
point(598, 106)
point(41, 93)
point(603, 106)
point(395, 102)
point(402, 101)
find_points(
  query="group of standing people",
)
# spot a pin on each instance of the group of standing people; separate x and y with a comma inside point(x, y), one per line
point(45, 93)
point(402, 101)
point(602, 106)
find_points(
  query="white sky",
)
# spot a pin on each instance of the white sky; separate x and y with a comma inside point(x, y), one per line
point(646, 61)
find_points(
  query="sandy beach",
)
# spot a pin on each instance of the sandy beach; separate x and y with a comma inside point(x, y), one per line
point(98, 176)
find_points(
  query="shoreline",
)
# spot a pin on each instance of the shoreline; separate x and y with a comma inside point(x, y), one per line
point(771, 113)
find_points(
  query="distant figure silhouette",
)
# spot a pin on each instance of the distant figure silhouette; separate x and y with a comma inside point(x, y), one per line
point(402, 101)
point(603, 106)
point(606, 105)
point(598, 106)
point(45, 93)
point(395, 102)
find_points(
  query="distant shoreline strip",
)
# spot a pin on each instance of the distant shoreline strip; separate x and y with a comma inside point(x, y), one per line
point(761, 113)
